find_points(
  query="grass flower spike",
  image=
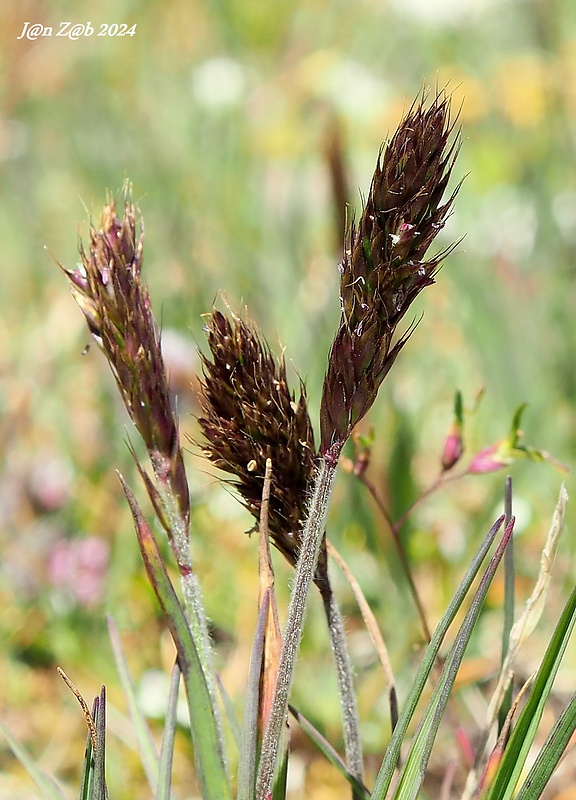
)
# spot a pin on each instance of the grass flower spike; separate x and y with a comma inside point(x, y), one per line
point(383, 270)
point(385, 265)
point(109, 290)
point(249, 415)
point(258, 433)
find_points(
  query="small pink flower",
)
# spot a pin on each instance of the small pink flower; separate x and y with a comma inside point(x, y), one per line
point(453, 447)
point(79, 566)
point(491, 458)
point(49, 481)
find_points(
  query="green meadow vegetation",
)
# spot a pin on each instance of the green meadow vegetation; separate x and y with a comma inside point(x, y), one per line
point(249, 135)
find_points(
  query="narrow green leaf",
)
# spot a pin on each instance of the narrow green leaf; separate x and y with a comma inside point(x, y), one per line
point(520, 632)
point(550, 754)
point(153, 492)
point(144, 741)
point(280, 784)
point(100, 791)
point(208, 757)
point(509, 604)
point(525, 729)
point(388, 766)
point(44, 782)
point(167, 752)
point(249, 738)
point(230, 713)
point(412, 775)
point(515, 433)
point(88, 764)
point(330, 753)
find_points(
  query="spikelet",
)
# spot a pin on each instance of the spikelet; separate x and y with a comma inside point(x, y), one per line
point(385, 266)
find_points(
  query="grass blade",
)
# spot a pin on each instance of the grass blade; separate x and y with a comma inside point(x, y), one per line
point(209, 759)
point(412, 775)
point(88, 764)
point(388, 766)
point(248, 746)
point(331, 754)
point(98, 786)
point(230, 712)
point(144, 741)
point(550, 754)
point(44, 782)
point(280, 784)
point(509, 604)
point(373, 631)
point(520, 632)
point(523, 734)
point(167, 752)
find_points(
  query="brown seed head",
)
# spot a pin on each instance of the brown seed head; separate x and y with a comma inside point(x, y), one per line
point(249, 415)
point(109, 290)
point(384, 266)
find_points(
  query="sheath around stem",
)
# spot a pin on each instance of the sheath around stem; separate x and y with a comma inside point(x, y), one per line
point(312, 536)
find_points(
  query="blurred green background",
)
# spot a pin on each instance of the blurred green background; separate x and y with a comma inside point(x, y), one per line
point(224, 115)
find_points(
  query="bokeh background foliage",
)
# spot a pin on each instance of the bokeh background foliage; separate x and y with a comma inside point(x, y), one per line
point(223, 115)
